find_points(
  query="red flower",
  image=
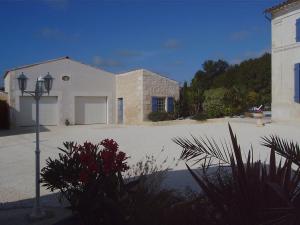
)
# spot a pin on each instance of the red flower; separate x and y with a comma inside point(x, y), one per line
point(113, 161)
point(108, 158)
point(110, 144)
point(120, 164)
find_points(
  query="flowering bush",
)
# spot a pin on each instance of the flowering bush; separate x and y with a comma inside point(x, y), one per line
point(89, 176)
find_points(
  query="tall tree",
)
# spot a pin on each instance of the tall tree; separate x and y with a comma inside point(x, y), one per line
point(248, 84)
point(184, 103)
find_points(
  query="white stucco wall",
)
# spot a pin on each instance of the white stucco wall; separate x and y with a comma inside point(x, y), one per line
point(285, 54)
point(84, 81)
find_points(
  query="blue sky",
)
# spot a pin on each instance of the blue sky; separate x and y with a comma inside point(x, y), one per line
point(171, 37)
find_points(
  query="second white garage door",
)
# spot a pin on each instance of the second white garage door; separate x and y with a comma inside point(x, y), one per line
point(90, 109)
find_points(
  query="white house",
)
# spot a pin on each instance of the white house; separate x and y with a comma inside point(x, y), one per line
point(83, 94)
point(285, 19)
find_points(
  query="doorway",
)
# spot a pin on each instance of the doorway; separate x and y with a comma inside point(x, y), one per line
point(120, 110)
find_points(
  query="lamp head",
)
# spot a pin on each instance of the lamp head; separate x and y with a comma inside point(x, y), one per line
point(22, 81)
point(48, 81)
point(39, 86)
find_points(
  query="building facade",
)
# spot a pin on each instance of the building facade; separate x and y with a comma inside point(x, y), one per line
point(82, 94)
point(141, 92)
point(285, 20)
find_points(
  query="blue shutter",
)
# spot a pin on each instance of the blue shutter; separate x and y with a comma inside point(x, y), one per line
point(298, 30)
point(297, 83)
point(154, 104)
point(170, 104)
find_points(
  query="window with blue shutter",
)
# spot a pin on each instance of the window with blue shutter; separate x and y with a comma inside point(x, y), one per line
point(297, 83)
point(154, 104)
point(170, 104)
point(298, 30)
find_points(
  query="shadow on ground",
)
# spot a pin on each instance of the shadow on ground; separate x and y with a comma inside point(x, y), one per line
point(16, 213)
point(21, 130)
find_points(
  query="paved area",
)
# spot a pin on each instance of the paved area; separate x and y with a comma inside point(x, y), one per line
point(17, 148)
point(19, 216)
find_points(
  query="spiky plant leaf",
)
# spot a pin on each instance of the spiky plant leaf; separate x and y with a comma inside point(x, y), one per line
point(287, 149)
point(257, 193)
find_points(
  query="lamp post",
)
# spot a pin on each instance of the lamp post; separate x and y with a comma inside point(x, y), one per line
point(41, 84)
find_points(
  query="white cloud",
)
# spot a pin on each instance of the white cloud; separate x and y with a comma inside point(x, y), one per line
point(176, 63)
point(56, 34)
point(254, 54)
point(248, 55)
point(128, 53)
point(172, 44)
point(99, 61)
point(51, 33)
point(240, 35)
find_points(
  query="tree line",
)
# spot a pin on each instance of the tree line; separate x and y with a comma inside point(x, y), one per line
point(220, 89)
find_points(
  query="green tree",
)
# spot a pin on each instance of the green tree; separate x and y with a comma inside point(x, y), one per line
point(247, 84)
point(241, 80)
point(252, 98)
point(215, 102)
point(214, 68)
point(235, 100)
point(203, 80)
point(184, 102)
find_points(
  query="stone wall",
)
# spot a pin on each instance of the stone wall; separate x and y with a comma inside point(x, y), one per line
point(3, 96)
point(157, 86)
point(137, 89)
point(129, 87)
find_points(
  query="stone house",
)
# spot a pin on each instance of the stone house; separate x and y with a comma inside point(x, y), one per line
point(140, 92)
point(285, 23)
point(83, 94)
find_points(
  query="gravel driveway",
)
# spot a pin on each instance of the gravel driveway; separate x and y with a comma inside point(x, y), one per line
point(17, 150)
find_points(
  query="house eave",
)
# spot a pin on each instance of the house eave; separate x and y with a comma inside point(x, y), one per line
point(282, 6)
point(34, 64)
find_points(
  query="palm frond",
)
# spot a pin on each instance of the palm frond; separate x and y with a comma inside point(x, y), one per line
point(256, 192)
point(204, 150)
point(287, 149)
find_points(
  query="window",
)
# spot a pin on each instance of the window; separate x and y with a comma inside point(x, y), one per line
point(161, 105)
point(170, 104)
point(297, 83)
point(298, 30)
point(158, 104)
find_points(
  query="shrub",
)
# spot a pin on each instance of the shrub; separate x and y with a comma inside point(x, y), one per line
point(252, 98)
point(200, 117)
point(214, 103)
point(247, 192)
point(89, 177)
point(221, 102)
point(161, 116)
point(150, 200)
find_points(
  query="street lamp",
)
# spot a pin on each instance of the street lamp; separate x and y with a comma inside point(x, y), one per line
point(42, 83)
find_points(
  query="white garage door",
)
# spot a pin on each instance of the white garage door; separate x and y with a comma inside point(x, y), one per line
point(90, 109)
point(48, 111)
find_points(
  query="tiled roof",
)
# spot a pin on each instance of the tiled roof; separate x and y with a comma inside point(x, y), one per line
point(281, 6)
